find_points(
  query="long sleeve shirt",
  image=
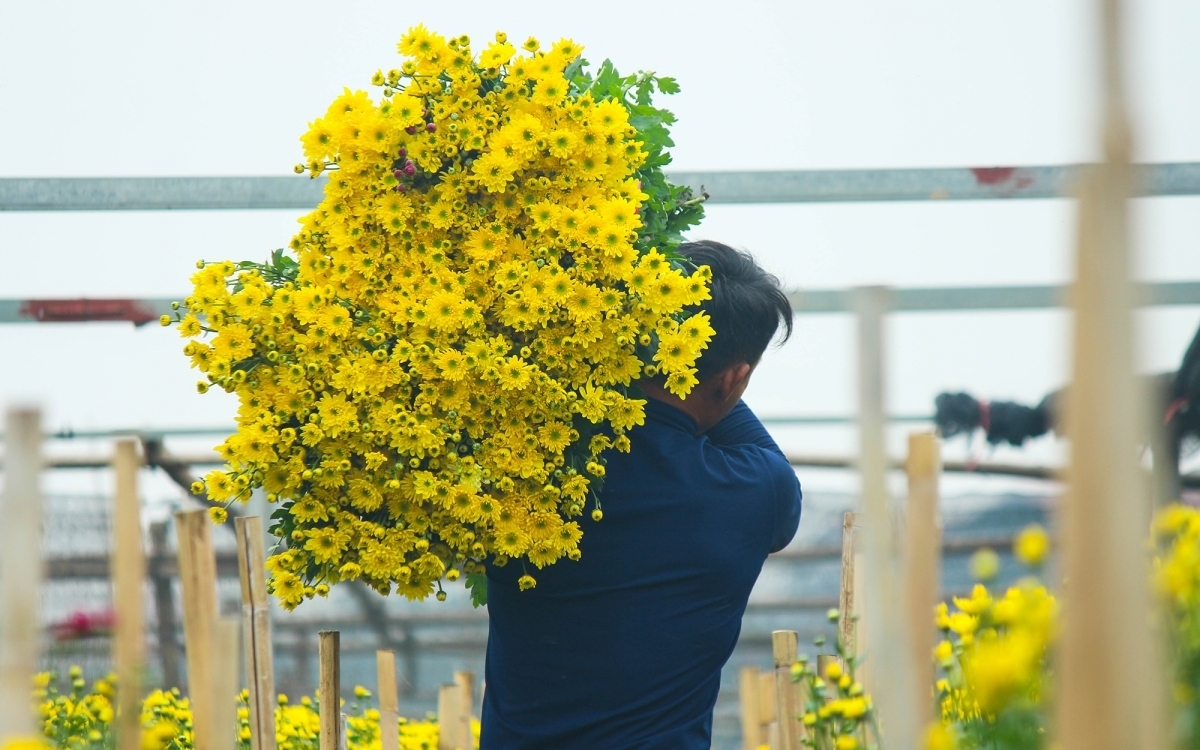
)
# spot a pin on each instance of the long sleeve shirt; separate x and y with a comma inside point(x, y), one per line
point(623, 649)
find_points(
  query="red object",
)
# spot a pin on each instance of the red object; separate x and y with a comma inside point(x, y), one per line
point(1006, 177)
point(86, 310)
point(84, 624)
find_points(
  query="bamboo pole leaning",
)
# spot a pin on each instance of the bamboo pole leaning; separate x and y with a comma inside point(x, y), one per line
point(128, 564)
point(198, 578)
point(330, 686)
point(784, 645)
point(256, 632)
point(20, 570)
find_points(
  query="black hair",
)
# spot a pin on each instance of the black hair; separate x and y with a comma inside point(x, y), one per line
point(746, 307)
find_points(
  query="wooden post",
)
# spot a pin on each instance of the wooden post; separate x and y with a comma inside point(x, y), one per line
point(846, 599)
point(128, 561)
point(885, 624)
point(465, 681)
point(449, 697)
point(198, 577)
point(256, 632)
point(766, 700)
point(787, 702)
point(226, 633)
point(749, 708)
point(1110, 694)
point(329, 656)
point(164, 607)
point(20, 570)
point(389, 700)
point(922, 567)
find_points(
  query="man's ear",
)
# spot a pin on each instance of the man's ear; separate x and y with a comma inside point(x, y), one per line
point(730, 380)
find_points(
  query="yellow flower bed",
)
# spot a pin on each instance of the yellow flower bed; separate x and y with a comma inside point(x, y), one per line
point(433, 372)
point(81, 719)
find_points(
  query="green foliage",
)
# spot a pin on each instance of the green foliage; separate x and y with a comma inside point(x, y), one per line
point(670, 209)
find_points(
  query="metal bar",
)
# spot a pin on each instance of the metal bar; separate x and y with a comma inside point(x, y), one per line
point(804, 301)
point(735, 187)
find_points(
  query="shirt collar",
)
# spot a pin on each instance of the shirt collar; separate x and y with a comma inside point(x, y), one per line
point(670, 416)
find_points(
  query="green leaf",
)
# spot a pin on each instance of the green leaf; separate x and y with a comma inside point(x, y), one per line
point(477, 584)
point(667, 85)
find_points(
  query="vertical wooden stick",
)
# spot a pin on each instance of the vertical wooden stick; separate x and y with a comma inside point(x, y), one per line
point(226, 633)
point(389, 700)
point(749, 708)
point(198, 577)
point(787, 702)
point(329, 656)
point(256, 632)
point(1109, 692)
point(766, 700)
point(846, 598)
point(922, 567)
point(20, 570)
point(449, 697)
point(128, 562)
point(886, 625)
point(465, 681)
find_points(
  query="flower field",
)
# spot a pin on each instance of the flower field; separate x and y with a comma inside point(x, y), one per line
point(79, 718)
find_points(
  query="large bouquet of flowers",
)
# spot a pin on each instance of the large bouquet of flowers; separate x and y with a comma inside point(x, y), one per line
point(431, 377)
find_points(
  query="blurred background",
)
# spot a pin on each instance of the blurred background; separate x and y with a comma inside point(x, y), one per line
point(128, 88)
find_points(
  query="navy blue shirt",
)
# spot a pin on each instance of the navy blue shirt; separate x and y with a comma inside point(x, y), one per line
point(623, 649)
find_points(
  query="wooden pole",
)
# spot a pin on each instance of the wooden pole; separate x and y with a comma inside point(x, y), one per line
point(128, 561)
point(256, 632)
point(20, 570)
point(885, 624)
point(329, 657)
point(226, 633)
point(465, 681)
point(449, 697)
point(787, 702)
point(922, 567)
point(766, 700)
point(1110, 694)
point(749, 708)
point(164, 607)
point(389, 700)
point(846, 599)
point(198, 578)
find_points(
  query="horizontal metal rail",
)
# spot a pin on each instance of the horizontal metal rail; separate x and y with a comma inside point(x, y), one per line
point(807, 301)
point(735, 187)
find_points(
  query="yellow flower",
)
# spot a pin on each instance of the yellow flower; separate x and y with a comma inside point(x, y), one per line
point(218, 515)
point(1031, 545)
point(985, 564)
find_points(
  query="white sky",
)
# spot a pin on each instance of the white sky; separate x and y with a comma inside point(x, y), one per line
point(216, 88)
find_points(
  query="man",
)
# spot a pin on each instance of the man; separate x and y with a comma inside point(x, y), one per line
point(623, 649)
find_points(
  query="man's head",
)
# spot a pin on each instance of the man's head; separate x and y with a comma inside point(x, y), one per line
point(746, 308)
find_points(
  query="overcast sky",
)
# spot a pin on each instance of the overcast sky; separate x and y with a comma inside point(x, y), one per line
point(216, 88)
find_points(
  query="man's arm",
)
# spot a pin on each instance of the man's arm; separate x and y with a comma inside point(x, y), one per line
point(741, 427)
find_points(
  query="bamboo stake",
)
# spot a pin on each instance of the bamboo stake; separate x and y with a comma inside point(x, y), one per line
point(447, 709)
point(1110, 695)
point(226, 632)
point(859, 632)
point(787, 702)
point(128, 562)
point(198, 578)
point(389, 700)
point(922, 567)
point(20, 570)
point(766, 699)
point(749, 708)
point(886, 625)
point(466, 706)
point(329, 656)
point(846, 598)
point(256, 632)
